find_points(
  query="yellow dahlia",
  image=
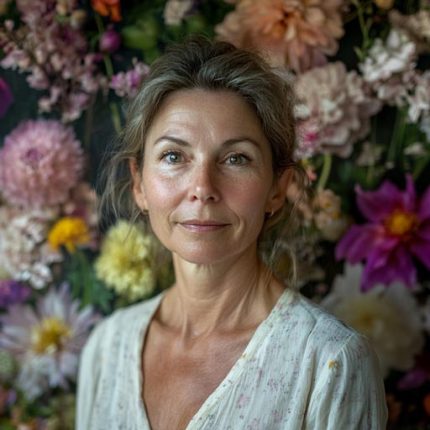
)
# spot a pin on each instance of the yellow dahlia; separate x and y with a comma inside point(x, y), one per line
point(69, 232)
point(294, 33)
point(125, 262)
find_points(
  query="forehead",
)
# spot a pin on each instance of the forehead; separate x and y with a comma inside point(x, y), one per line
point(213, 112)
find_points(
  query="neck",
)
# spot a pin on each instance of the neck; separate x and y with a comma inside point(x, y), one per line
point(210, 299)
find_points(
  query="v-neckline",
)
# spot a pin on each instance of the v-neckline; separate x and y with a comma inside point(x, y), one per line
point(254, 342)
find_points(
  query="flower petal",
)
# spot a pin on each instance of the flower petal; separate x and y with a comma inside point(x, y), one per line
point(377, 205)
point(398, 266)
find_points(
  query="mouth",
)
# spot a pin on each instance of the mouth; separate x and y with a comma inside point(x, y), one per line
point(202, 225)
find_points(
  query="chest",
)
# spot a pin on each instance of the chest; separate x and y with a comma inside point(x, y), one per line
point(177, 382)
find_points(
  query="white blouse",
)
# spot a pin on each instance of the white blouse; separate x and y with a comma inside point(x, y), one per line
point(302, 369)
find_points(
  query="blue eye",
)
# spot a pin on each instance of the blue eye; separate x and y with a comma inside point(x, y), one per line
point(172, 157)
point(237, 159)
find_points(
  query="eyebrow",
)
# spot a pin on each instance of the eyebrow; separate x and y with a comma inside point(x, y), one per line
point(228, 142)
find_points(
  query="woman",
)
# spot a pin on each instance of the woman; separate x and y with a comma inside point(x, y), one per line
point(209, 147)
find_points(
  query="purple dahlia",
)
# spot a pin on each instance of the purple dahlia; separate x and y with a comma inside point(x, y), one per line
point(397, 232)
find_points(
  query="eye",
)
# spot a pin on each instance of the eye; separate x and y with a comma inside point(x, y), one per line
point(172, 157)
point(237, 159)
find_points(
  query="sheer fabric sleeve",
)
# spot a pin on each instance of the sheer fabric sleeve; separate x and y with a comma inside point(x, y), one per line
point(89, 369)
point(349, 392)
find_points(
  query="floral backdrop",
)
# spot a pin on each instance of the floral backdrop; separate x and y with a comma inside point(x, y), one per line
point(67, 69)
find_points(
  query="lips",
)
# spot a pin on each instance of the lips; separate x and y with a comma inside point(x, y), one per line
point(203, 225)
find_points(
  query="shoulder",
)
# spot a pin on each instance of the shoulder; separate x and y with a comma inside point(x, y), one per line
point(316, 332)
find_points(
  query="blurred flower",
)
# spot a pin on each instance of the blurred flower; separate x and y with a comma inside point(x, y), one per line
point(110, 41)
point(39, 163)
point(328, 215)
point(69, 232)
point(384, 4)
point(82, 203)
point(54, 55)
point(127, 84)
point(12, 292)
point(333, 110)
point(125, 261)
point(397, 229)
point(412, 379)
point(416, 26)
point(46, 341)
point(293, 33)
point(6, 97)
point(110, 8)
point(388, 317)
point(176, 10)
point(24, 253)
point(389, 67)
point(419, 98)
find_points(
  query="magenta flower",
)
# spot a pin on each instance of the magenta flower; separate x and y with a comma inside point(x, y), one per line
point(398, 230)
point(110, 41)
point(6, 97)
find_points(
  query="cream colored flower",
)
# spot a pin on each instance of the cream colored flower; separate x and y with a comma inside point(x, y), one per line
point(328, 216)
point(416, 26)
point(126, 261)
point(294, 33)
point(176, 10)
point(389, 317)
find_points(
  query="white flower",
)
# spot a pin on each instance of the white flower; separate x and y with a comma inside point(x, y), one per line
point(46, 341)
point(176, 10)
point(24, 252)
point(389, 67)
point(389, 317)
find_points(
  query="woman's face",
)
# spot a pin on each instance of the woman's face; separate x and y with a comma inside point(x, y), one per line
point(207, 176)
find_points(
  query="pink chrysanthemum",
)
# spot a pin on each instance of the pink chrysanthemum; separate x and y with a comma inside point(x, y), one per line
point(334, 110)
point(298, 34)
point(39, 163)
point(397, 230)
point(47, 340)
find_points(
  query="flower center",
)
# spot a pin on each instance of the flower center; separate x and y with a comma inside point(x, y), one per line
point(401, 223)
point(49, 335)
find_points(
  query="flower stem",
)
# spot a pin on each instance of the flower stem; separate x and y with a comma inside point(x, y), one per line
point(325, 173)
point(116, 117)
point(364, 28)
point(395, 151)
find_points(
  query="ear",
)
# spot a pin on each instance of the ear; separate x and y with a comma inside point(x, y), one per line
point(137, 188)
point(279, 189)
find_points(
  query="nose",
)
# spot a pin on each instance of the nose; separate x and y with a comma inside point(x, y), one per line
point(203, 185)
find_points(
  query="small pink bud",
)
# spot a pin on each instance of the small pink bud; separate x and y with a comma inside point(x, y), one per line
point(110, 41)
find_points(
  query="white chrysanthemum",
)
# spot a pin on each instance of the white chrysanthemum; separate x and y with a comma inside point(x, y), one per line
point(334, 110)
point(389, 67)
point(389, 317)
point(24, 252)
point(125, 262)
point(46, 341)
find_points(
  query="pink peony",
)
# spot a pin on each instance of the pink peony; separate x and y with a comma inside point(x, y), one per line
point(39, 163)
point(334, 110)
point(298, 34)
point(397, 230)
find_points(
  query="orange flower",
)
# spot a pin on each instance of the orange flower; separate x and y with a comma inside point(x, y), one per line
point(294, 33)
point(109, 8)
